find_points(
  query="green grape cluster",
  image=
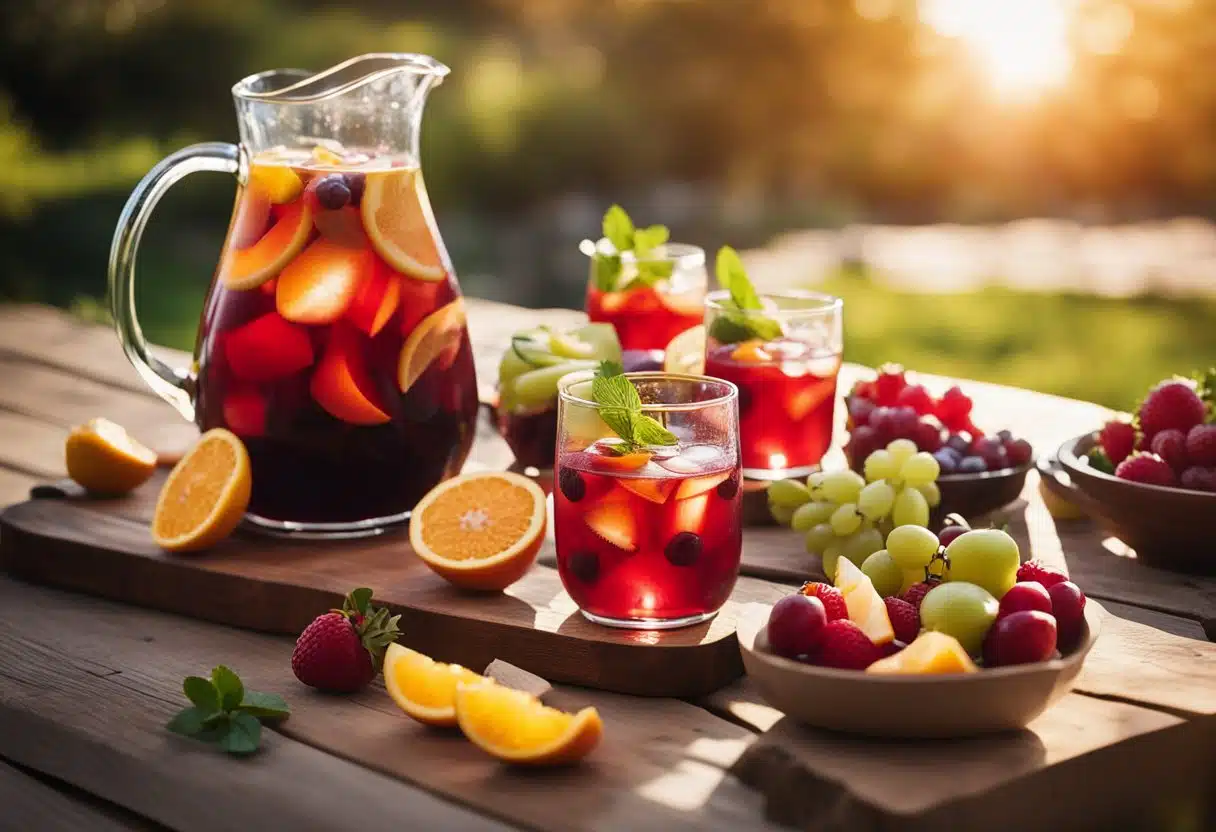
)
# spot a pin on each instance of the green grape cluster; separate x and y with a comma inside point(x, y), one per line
point(844, 514)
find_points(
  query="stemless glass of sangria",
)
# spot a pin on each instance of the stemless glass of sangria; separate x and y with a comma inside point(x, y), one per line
point(649, 536)
point(333, 339)
point(784, 358)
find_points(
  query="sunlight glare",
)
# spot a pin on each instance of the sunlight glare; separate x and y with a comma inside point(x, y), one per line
point(1023, 44)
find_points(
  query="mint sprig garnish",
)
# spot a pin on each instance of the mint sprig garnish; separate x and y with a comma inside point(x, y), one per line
point(621, 409)
point(640, 242)
point(737, 320)
point(222, 712)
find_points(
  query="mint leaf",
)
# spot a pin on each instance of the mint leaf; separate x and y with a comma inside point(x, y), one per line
point(189, 722)
point(243, 735)
point(202, 694)
point(651, 272)
point(646, 240)
point(621, 409)
point(229, 686)
point(650, 431)
point(265, 705)
point(732, 326)
point(606, 270)
point(618, 228)
point(733, 278)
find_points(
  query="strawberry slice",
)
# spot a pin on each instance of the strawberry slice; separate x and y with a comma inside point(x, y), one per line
point(808, 398)
point(613, 519)
point(689, 515)
point(245, 412)
point(693, 486)
point(342, 384)
point(267, 348)
point(318, 286)
point(375, 300)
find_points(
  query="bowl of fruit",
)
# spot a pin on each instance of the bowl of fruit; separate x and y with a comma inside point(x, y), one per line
point(980, 472)
point(1151, 479)
point(525, 407)
point(948, 636)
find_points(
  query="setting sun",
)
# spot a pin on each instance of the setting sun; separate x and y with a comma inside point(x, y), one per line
point(1022, 44)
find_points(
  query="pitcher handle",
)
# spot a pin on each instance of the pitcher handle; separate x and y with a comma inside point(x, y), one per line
point(173, 384)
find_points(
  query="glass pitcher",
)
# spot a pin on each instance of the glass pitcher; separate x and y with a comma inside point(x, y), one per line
point(333, 338)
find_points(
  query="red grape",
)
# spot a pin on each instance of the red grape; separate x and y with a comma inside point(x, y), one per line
point(880, 420)
point(949, 533)
point(1027, 595)
point(863, 441)
point(1018, 451)
point(927, 436)
point(860, 410)
point(990, 450)
point(1068, 606)
point(903, 422)
point(795, 625)
point(1021, 637)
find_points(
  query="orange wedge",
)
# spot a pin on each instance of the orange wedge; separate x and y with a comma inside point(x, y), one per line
point(422, 687)
point(438, 335)
point(397, 218)
point(517, 728)
point(205, 496)
point(105, 460)
point(248, 268)
point(480, 531)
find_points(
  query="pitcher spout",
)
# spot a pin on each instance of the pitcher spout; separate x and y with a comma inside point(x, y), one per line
point(301, 86)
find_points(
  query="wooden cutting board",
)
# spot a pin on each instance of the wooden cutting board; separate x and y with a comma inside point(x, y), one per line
point(103, 547)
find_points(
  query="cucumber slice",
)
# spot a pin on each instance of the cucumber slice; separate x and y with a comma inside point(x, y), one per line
point(535, 388)
point(534, 351)
point(603, 340)
point(511, 367)
point(569, 345)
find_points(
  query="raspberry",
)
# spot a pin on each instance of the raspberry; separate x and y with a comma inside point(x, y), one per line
point(889, 384)
point(1170, 445)
point(1117, 440)
point(863, 390)
point(916, 397)
point(1040, 573)
point(843, 645)
point(833, 600)
point(905, 619)
point(1199, 479)
point(1171, 404)
point(954, 410)
point(1201, 445)
point(1149, 469)
point(917, 592)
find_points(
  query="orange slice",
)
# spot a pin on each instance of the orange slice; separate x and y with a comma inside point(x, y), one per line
point(517, 728)
point(397, 218)
point(104, 459)
point(480, 531)
point(422, 687)
point(205, 496)
point(318, 286)
point(439, 333)
point(248, 268)
point(279, 184)
point(342, 382)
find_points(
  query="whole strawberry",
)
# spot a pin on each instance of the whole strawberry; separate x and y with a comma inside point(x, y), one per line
point(832, 598)
point(1201, 446)
point(905, 619)
point(1117, 440)
point(1171, 404)
point(1149, 469)
point(843, 645)
point(1170, 445)
point(342, 650)
point(1040, 573)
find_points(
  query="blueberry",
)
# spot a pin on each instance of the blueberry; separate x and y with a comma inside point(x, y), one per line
point(959, 443)
point(683, 549)
point(947, 459)
point(572, 485)
point(585, 566)
point(972, 465)
point(356, 183)
point(727, 489)
point(333, 192)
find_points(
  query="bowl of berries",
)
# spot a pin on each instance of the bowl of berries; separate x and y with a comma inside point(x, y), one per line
point(980, 472)
point(953, 637)
point(1151, 479)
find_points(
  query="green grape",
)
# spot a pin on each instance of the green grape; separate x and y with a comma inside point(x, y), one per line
point(880, 465)
point(831, 556)
point(912, 547)
point(861, 544)
point(536, 387)
point(842, 486)
point(901, 450)
point(846, 519)
point(933, 494)
point(920, 469)
point(814, 482)
point(784, 515)
point(819, 537)
point(911, 508)
point(883, 572)
point(811, 514)
point(962, 610)
point(876, 500)
point(788, 493)
point(986, 557)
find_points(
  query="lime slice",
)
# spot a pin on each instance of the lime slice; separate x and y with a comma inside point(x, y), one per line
point(534, 351)
point(568, 345)
point(536, 387)
point(686, 352)
point(603, 340)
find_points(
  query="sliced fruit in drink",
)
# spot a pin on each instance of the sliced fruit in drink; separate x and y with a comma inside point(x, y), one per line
point(245, 412)
point(247, 268)
point(686, 352)
point(441, 332)
point(654, 489)
point(250, 216)
point(342, 226)
point(603, 339)
point(751, 352)
point(279, 183)
point(267, 348)
point(318, 286)
point(569, 345)
point(683, 303)
point(375, 300)
point(808, 397)
point(104, 459)
point(613, 518)
point(534, 348)
point(693, 486)
point(205, 496)
point(930, 652)
point(866, 607)
point(515, 727)
point(689, 515)
point(480, 531)
point(604, 457)
point(419, 298)
point(422, 687)
point(396, 216)
point(342, 383)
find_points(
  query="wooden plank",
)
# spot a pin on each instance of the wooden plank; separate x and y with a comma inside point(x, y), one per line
point(1184, 627)
point(30, 804)
point(15, 486)
point(31, 446)
point(662, 764)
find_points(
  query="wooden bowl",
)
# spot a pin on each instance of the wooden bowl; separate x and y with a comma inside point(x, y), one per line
point(920, 707)
point(1170, 528)
point(974, 495)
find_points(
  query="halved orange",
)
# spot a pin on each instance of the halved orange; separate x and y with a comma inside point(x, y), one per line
point(439, 333)
point(248, 268)
point(517, 728)
point(104, 459)
point(480, 531)
point(205, 496)
point(397, 218)
point(422, 687)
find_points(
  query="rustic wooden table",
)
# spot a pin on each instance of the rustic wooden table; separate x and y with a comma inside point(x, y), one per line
point(86, 686)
